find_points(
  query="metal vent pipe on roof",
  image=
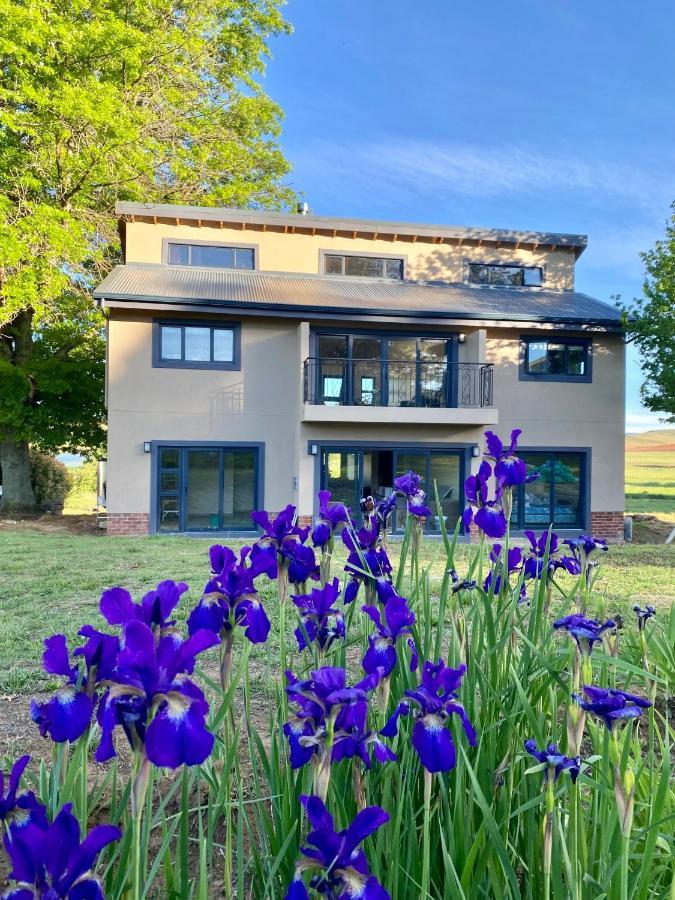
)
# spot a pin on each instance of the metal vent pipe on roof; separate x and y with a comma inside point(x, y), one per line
point(302, 208)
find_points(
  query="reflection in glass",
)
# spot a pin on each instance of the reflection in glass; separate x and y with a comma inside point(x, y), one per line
point(238, 488)
point(223, 345)
point(444, 472)
point(168, 459)
point(537, 494)
point(341, 475)
point(203, 482)
point(169, 515)
point(366, 369)
point(433, 355)
point(567, 476)
point(536, 357)
point(197, 344)
point(171, 342)
point(402, 372)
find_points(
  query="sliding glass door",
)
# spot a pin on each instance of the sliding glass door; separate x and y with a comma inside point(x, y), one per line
point(203, 489)
point(351, 473)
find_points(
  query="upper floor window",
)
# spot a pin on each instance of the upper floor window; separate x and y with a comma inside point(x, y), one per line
point(196, 345)
point(214, 256)
point(365, 266)
point(559, 359)
point(504, 275)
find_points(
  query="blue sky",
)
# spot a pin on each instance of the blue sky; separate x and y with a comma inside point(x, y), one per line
point(553, 116)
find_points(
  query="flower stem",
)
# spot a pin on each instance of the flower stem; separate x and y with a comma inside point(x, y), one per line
point(625, 852)
point(428, 781)
point(84, 797)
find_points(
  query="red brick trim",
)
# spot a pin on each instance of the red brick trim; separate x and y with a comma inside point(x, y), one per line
point(128, 523)
point(608, 525)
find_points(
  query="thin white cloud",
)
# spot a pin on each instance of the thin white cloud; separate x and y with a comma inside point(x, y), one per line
point(419, 167)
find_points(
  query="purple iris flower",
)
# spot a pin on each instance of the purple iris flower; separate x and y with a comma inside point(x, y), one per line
point(489, 515)
point(159, 708)
point(367, 562)
point(330, 516)
point(322, 623)
point(513, 564)
point(327, 710)
point(340, 868)
point(460, 584)
point(302, 563)
point(385, 508)
point(283, 528)
point(50, 862)
point(436, 699)
point(18, 812)
point(398, 620)
point(643, 615)
point(587, 544)
point(510, 470)
point(410, 486)
point(585, 632)
point(534, 557)
point(118, 608)
point(231, 599)
point(555, 762)
point(611, 705)
point(67, 713)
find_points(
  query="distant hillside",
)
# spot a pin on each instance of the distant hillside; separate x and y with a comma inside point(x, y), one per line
point(658, 441)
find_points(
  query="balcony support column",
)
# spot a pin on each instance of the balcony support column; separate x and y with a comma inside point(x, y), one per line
point(474, 347)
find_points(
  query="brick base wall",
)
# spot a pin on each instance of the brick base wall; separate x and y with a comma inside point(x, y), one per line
point(607, 525)
point(128, 523)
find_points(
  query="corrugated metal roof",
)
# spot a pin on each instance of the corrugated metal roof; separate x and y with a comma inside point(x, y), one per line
point(359, 226)
point(367, 296)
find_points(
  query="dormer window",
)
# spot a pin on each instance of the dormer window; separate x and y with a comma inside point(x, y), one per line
point(502, 275)
point(362, 266)
point(213, 256)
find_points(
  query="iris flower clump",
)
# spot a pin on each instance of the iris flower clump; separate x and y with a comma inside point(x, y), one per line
point(435, 702)
point(338, 865)
point(330, 722)
point(586, 632)
point(612, 706)
point(321, 622)
point(50, 862)
point(19, 810)
point(397, 623)
point(553, 761)
point(410, 487)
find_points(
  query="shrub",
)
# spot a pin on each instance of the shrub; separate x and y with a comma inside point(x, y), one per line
point(49, 477)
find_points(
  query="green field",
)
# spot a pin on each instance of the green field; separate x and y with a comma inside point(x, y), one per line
point(52, 583)
point(650, 474)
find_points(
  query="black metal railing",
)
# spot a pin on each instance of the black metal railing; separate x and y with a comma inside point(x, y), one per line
point(397, 383)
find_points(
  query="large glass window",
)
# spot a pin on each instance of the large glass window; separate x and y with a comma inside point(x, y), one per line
point(505, 275)
point(362, 266)
point(210, 256)
point(365, 370)
point(556, 497)
point(206, 488)
point(559, 358)
point(197, 346)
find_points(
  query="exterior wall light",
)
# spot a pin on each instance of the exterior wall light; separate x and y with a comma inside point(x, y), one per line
point(313, 449)
point(462, 337)
point(475, 451)
point(146, 446)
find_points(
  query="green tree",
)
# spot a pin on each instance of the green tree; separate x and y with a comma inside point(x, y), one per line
point(106, 100)
point(650, 321)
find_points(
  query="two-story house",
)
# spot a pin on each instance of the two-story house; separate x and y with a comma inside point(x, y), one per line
point(256, 357)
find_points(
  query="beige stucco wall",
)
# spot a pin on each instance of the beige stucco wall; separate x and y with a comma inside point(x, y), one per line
point(278, 252)
point(563, 414)
point(260, 403)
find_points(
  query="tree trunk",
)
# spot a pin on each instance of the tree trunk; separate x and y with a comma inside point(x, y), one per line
point(17, 491)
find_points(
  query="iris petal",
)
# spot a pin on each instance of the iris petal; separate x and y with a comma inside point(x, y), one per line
point(434, 745)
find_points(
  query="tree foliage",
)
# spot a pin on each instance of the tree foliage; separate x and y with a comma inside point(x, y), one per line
point(49, 477)
point(106, 100)
point(651, 323)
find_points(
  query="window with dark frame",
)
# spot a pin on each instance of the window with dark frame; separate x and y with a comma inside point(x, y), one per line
point(215, 256)
point(197, 345)
point(504, 275)
point(566, 358)
point(362, 266)
point(557, 496)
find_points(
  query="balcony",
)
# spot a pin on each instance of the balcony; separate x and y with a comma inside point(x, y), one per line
point(398, 391)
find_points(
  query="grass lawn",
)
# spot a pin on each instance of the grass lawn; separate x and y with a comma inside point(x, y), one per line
point(51, 582)
point(650, 474)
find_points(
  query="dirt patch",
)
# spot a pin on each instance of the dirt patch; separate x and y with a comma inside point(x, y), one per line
point(650, 529)
point(48, 524)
